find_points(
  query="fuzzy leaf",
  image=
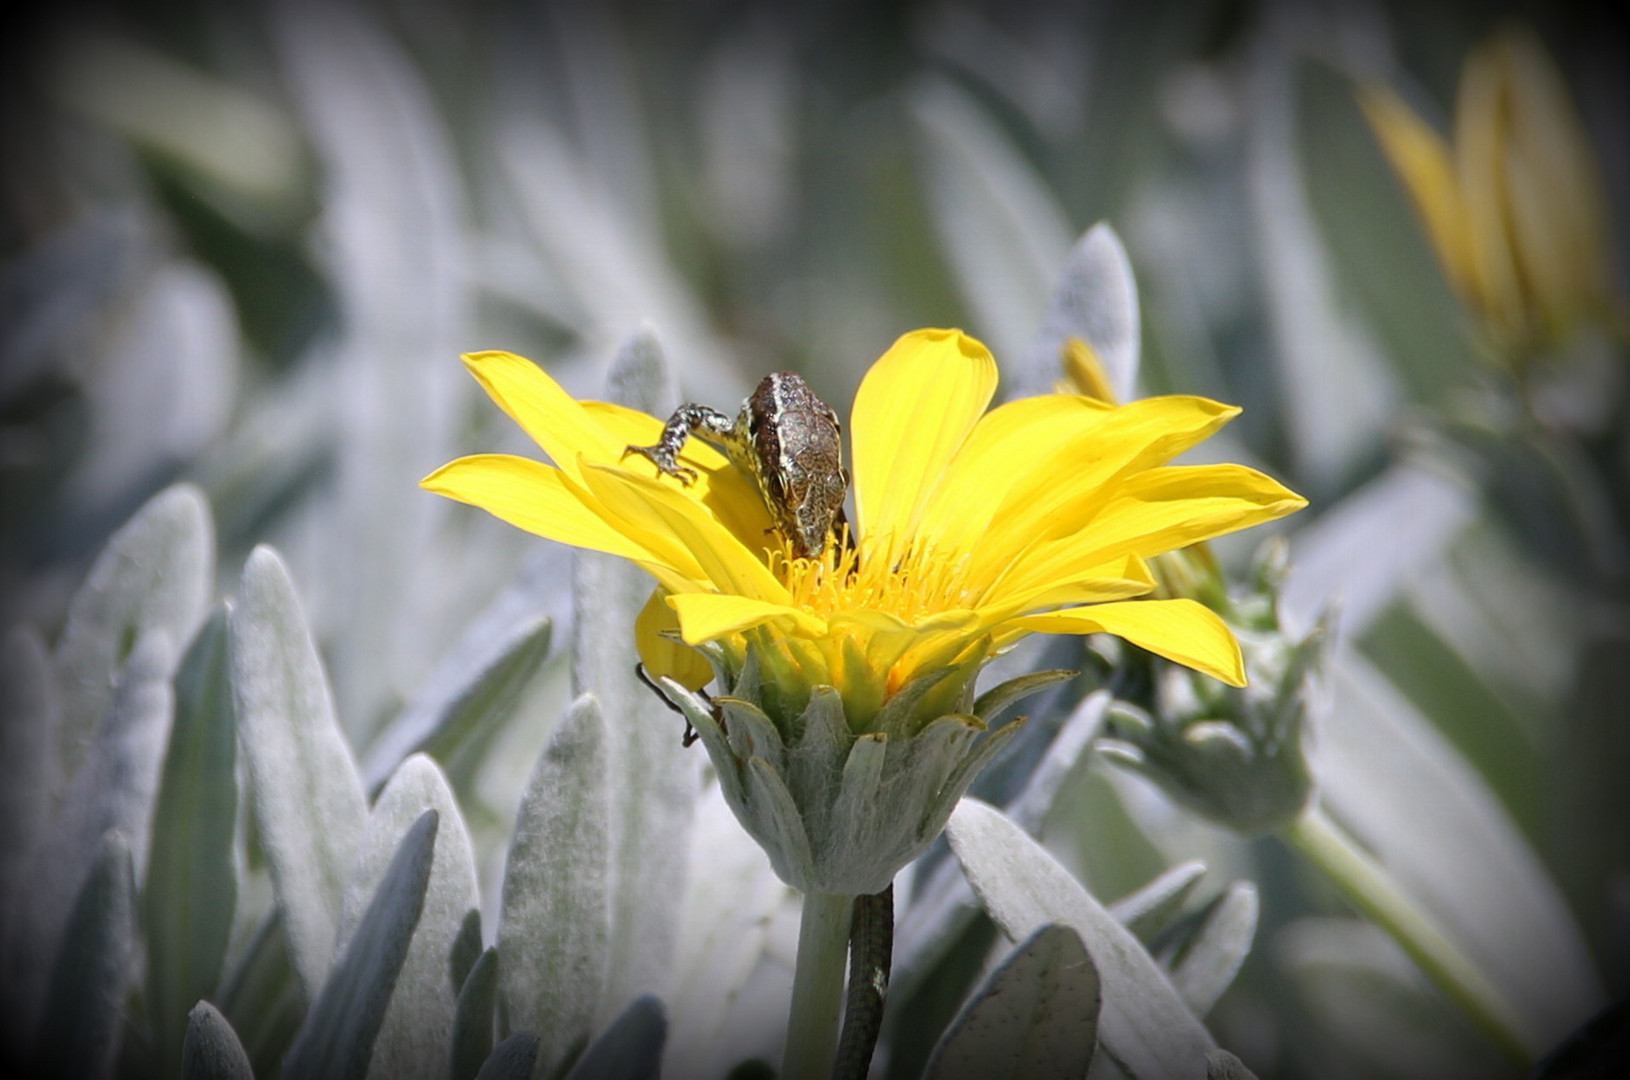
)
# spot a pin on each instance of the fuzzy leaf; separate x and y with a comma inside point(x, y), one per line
point(211, 1050)
point(1002, 695)
point(191, 891)
point(155, 574)
point(512, 1059)
point(474, 1016)
point(651, 787)
point(1094, 300)
point(29, 712)
point(337, 1039)
point(1036, 1016)
point(1207, 963)
point(630, 1049)
point(113, 790)
point(1152, 908)
point(554, 923)
point(419, 1021)
point(261, 994)
point(470, 692)
point(79, 1030)
point(307, 796)
point(1144, 1025)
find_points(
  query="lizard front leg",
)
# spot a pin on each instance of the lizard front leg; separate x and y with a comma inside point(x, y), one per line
point(687, 420)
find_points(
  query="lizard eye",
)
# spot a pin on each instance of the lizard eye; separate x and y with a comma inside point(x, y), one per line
point(775, 488)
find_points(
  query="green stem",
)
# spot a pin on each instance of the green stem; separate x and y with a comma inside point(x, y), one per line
point(817, 987)
point(1370, 889)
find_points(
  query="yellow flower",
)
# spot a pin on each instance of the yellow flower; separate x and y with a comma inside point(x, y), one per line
point(973, 528)
point(1514, 209)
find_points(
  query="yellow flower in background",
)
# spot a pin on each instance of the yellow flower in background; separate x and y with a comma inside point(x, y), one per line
point(973, 528)
point(1514, 208)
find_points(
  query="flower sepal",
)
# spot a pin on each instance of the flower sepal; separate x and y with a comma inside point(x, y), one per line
point(837, 810)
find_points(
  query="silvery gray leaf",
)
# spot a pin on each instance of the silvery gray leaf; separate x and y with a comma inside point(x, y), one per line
point(512, 1059)
point(1035, 1016)
point(1144, 1026)
point(554, 924)
point(1095, 300)
point(471, 691)
point(155, 573)
point(475, 1017)
point(191, 891)
point(337, 1038)
point(261, 993)
point(652, 784)
point(630, 1049)
point(211, 1050)
point(1000, 227)
point(1340, 394)
point(418, 1025)
point(1207, 962)
point(163, 387)
point(307, 796)
point(29, 712)
point(80, 1026)
point(1406, 794)
point(1221, 1065)
point(391, 240)
point(113, 790)
point(1152, 908)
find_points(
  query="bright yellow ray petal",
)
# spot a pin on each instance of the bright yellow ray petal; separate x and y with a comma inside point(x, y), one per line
point(1005, 449)
point(666, 521)
point(662, 655)
point(1182, 631)
point(532, 496)
point(1061, 486)
point(553, 418)
point(727, 491)
point(709, 616)
point(911, 414)
point(1158, 510)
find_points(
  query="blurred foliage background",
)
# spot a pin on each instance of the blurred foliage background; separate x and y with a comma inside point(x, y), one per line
point(244, 244)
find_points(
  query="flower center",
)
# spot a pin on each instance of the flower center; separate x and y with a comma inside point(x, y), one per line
point(920, 584)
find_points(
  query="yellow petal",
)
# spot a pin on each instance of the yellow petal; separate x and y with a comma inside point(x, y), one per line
point(1058, 489)
point(709, 616)
point(533, 496)
point(731, 494)
point(1182, 631)
point(660, 653)
point(670, 525)
point(1006, 448)
point(1421, 159)
point(1481, 138)
point(555, 420)
point(911, 413)
point(1158, 510)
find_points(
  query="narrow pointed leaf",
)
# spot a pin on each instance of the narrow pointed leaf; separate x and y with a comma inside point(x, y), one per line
point(1207, 963)
point(154, 575)
point(79, 1029)
point(1036, 1016)
point(475, 1017)
point(1152, 908)
point(651, 787)
point(630, 1049)
point(1144, 1026)
point(512, 1059)
point(260, 994)
point(337, 1039)
point(307, 796)
point(1094, 300)
point(113, 790)
point(190, 896)
point(554, 923)
point(211, 1050)
point(419, 1022)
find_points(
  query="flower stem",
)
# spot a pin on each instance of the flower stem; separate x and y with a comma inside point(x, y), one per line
point(817, 987)
point(1370, 889)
